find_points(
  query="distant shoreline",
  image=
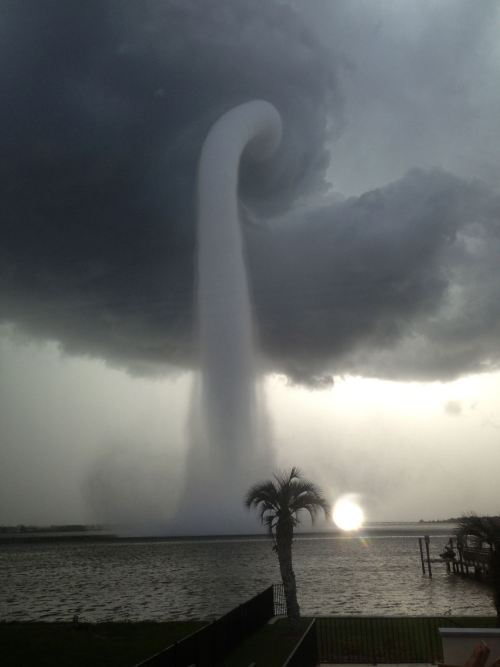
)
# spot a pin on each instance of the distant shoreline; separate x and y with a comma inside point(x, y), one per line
point(25, 529)
point(374, 529)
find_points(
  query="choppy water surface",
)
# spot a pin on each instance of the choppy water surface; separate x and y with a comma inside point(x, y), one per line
point(163, 580)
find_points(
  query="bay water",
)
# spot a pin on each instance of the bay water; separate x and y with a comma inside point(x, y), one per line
point(153, 579)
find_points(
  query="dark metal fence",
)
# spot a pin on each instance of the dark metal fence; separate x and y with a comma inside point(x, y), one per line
point(334, 639)
point(279, 600)
point(211, 644)
point(379, 639)
point(305, 653)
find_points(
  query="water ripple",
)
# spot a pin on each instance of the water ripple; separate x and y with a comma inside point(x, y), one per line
point(204, 579)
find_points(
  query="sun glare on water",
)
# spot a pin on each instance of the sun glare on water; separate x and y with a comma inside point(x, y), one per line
point(347, 514)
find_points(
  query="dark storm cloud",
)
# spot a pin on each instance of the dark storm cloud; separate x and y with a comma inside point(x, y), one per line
point(399, 282)
point(106, 105)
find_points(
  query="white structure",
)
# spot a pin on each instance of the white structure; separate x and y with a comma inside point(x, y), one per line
point(458, 643)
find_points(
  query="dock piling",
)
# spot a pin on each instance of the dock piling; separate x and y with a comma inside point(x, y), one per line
point(427, 540)
point(421, 555)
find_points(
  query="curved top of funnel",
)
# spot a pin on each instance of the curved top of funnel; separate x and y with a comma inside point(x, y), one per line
point(253, 127)
point(268, 131)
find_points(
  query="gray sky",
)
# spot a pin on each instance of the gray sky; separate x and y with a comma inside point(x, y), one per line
point(375, 256)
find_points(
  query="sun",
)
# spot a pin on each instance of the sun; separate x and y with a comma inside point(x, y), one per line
point(347, 514)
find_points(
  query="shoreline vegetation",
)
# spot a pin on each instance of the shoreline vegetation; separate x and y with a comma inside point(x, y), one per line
point(22, 529)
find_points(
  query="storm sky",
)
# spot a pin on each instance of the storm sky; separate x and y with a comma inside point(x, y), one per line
point(372, 242)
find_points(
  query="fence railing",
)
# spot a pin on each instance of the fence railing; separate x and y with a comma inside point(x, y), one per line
point(279, 600)
point(305, 653)
point(212, 643)
point(372, 639)
point(333, 639)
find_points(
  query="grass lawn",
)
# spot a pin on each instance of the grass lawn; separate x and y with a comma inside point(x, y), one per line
point(79, 644)
point(270, 646)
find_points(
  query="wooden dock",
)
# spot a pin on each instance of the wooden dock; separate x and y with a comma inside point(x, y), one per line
point(465, 561)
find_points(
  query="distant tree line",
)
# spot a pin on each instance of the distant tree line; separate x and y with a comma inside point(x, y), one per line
point(66, 528)
point(453, 519)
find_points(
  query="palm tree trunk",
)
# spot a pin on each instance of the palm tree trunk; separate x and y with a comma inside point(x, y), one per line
point(284, 535)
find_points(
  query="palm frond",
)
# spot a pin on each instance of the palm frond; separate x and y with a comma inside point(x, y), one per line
point(261, 492)
point(482, 528)
point(281, 500)
point(270, 522)
point(312, 502)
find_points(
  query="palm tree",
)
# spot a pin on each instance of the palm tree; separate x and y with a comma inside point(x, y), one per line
point(485, 530)
point(279, 502)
